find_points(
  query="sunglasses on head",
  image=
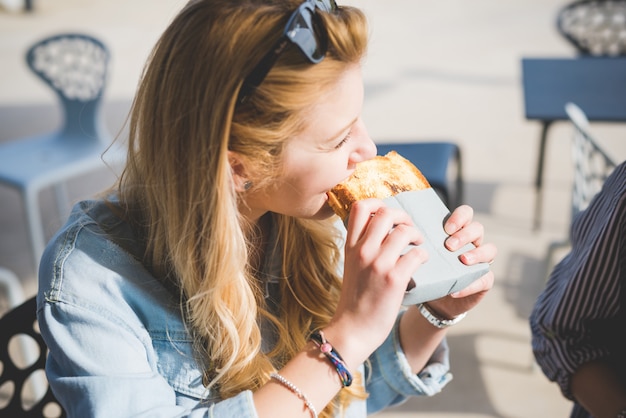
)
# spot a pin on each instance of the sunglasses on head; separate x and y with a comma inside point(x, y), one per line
point(303, 29)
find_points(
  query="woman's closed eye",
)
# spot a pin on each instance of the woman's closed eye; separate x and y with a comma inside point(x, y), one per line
point(344, 140)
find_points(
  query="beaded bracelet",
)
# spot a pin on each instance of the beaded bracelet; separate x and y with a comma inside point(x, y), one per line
point(335, 358)
point(293, 388)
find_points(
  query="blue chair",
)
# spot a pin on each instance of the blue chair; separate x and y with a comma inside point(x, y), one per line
point(75, 67)
point(439, 162)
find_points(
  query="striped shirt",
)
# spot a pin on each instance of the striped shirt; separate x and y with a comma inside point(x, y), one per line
point(581, 314)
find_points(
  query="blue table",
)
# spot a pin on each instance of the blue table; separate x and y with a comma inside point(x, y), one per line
point(596, 84)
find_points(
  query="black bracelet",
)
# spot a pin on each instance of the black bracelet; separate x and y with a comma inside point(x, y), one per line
point(335, 358)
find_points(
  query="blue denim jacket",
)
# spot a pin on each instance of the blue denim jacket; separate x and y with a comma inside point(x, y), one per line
point(119, 347)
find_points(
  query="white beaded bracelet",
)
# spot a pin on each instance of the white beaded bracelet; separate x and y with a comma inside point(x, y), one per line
point(293, 388)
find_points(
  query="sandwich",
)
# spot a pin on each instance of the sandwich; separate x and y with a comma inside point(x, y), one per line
point(401, 185)
point(380, 177)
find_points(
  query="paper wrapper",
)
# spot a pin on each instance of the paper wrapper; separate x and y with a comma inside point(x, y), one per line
point(443, 273)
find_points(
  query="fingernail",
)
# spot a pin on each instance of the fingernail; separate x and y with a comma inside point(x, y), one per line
point(453, 243)
point(467, 258)
point(451, 228)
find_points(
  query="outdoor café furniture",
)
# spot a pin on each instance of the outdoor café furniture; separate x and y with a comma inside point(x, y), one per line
point(595, 84)
point(23, 370)
point(591, 166)
point(74, 66)
point(594, 27)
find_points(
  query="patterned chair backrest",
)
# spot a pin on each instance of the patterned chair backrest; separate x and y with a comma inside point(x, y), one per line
point(75, 66)
point(21, 376)
point(595, 27)
point(592, 165)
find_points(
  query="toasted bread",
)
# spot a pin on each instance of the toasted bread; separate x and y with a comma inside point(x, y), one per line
point(381, 177)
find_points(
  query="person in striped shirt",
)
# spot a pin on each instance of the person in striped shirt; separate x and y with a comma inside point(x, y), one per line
point(578, 322)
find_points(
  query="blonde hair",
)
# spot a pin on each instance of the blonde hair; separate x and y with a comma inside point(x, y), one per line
point(178, 187)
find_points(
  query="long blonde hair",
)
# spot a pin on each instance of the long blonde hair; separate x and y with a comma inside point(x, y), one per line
point(178, 187)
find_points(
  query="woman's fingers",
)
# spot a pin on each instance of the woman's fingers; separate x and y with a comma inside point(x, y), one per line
point(463, 230)
point(486, 253)
point(371, 216)
point(410, 261)
point(359, 218)
point(477, 287)
point(380, 240)
point(458, 219)
point(399, 251)
point(473, 232)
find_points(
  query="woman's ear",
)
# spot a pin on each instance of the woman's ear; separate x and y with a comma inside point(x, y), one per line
point(238, 169)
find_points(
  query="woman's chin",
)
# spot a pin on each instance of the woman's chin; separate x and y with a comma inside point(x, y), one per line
point(325, 212)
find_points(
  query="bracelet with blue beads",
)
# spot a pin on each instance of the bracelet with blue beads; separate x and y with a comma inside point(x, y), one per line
point(331, 354)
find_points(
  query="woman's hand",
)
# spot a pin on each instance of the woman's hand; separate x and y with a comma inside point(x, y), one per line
point(376, 276)
point(464, 230)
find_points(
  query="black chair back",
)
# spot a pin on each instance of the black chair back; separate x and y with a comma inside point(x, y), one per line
point(22, 382)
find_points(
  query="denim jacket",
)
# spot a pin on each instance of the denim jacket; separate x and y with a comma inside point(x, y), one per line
point(120, 348)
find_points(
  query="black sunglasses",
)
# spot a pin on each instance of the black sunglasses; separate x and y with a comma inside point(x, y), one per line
point(303, 30)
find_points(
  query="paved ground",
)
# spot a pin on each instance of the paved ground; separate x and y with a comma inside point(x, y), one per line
point(436, 70)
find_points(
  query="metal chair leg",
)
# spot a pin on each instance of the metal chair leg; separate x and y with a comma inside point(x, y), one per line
point(35, 225)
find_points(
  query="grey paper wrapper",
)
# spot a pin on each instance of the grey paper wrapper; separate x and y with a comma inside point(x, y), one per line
point(443, 273)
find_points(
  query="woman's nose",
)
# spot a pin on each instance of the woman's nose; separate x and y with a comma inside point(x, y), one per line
point(365, 146)
point(371, 149)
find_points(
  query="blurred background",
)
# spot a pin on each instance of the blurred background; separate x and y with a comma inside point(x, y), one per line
point(436, 70)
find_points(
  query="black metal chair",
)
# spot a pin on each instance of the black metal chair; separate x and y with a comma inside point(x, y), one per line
point(592, 165)
point(439, 161)
point(21, 378)
point(594, 27)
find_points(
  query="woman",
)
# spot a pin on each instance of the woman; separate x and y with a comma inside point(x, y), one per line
point(578, 322)
point(212, 280)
